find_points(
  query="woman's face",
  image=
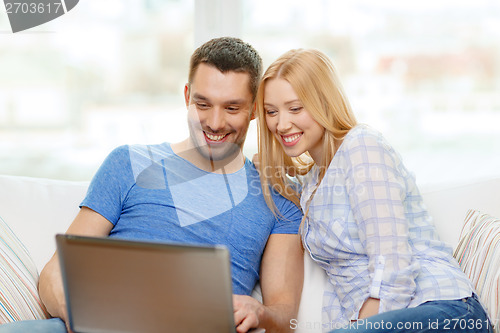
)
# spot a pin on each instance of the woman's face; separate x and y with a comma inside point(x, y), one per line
point(290, 122)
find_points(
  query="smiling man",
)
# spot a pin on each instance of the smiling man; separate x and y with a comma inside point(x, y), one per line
point(201, 190)
point(220, 107)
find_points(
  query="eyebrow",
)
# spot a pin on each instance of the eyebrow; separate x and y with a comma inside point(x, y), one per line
point(197, 96)
point(293, 101)
point(286, 103)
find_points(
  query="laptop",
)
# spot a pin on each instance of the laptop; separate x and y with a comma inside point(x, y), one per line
point(121, 286)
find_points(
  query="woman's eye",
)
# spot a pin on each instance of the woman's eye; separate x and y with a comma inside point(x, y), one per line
point(271, 112)
point(296, 109)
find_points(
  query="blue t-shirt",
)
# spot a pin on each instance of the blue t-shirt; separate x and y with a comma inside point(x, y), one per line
point(150, 193)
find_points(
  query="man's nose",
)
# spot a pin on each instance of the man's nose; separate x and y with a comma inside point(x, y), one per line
point(216, 120)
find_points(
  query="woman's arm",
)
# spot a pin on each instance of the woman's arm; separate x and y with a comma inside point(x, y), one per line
point(377, 191)
point(369, 308)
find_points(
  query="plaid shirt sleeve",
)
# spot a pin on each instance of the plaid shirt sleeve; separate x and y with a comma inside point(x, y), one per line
point(376, 192)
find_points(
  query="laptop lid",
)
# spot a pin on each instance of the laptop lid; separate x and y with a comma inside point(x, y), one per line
point(116, 285)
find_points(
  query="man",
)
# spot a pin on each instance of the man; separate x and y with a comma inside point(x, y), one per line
point(201, 191)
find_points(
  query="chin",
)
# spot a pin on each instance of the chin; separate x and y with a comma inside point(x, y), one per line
point(219, 153)
point(292, 153)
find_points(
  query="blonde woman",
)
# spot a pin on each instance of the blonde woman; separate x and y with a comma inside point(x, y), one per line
point(365, 223)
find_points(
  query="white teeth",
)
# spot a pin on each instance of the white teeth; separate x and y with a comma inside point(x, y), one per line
point(215, 137)
point(291, 138)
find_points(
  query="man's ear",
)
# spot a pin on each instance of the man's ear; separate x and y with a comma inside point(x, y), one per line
point(254, 111)
point(186, 94)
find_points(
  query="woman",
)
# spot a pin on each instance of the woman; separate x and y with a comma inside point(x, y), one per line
point(365, 222)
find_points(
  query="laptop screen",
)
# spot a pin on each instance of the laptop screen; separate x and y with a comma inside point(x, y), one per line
point(130, 286)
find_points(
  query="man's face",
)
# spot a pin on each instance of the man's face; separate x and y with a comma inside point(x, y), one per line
point(219, 111)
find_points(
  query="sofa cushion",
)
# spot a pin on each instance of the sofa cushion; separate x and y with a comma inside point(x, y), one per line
point(18, 280)
point(478, 254)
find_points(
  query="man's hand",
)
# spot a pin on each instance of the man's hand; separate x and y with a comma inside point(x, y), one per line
point(247, 312)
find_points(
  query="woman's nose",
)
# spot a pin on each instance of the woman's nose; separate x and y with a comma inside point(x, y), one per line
point(284, 124)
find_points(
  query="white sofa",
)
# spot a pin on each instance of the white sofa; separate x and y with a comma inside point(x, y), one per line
point(37, 209)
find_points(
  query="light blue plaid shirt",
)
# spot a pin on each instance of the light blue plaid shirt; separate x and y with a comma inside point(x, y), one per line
point(368, 227)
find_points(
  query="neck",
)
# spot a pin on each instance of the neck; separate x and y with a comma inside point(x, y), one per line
point(318, 154)
point(317, 157)
point(188, 151)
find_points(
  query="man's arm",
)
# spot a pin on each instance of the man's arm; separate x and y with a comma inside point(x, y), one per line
point(281, 278)
point(50, 286)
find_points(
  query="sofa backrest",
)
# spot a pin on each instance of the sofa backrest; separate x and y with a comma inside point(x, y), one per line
point(36, 209)
point(448, 204)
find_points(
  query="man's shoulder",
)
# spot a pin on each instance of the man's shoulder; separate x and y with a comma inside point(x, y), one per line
point(283, 204)
point(155, 151)
point(127, 162)
point(150, 151)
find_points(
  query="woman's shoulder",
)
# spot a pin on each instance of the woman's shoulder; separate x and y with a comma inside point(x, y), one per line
point(362, 131)
point(364, 136)
point(364, 145)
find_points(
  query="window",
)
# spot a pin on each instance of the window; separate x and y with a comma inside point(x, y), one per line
point(106, 73)
point(426, 73)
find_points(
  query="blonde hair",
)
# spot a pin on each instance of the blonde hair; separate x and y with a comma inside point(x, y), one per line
point(315, 81)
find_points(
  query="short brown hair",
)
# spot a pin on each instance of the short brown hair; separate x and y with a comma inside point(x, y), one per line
point(228, 54)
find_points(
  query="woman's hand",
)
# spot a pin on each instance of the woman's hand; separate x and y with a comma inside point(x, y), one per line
point(256, 161)
point(369, 308)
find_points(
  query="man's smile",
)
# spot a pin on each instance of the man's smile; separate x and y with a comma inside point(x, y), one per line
point(215, 138)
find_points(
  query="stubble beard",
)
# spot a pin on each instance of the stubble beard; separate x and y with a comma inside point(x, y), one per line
point(223, 151)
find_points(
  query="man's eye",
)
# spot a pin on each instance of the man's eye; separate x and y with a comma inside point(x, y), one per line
point(202, 105)
point(232, 108)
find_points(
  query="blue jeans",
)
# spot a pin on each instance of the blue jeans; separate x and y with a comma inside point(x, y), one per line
point(463, 315)
point(54, 325)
